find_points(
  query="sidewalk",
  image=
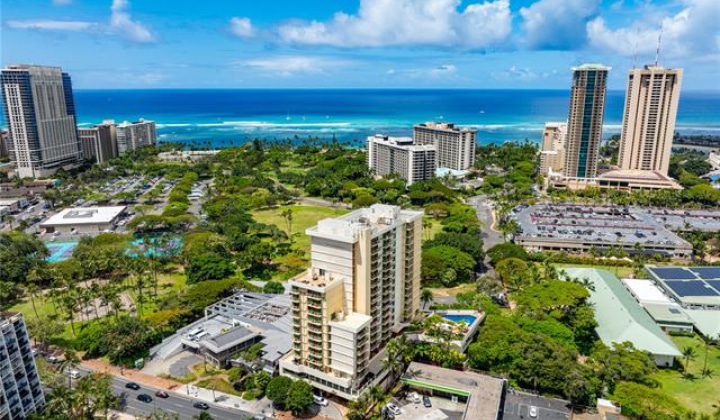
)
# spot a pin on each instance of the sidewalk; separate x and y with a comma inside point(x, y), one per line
point(131, 375)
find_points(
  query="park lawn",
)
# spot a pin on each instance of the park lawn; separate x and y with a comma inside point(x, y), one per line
point(620, 272)
point(220, 385)
point(698, 394)
point(303, 218)
point(434, 229)
point(171, 282)
point(453, 291)
point(44, 307)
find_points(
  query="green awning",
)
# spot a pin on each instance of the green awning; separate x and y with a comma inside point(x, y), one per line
point(434, 387)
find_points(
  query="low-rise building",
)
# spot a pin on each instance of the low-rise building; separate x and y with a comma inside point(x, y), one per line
point(666, 313)
point(581, 228)
point(623, 180)
point(186, 155)
point(84, 219)
point(621, 318)
point(399, 156)
point(481, 396)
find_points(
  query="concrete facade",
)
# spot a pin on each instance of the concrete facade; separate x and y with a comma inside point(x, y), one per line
point(651, 105)
point(40, 113)
point(455, 145)
point(21, 391)
point(99, 143)
point(552, 153)
point(134, 135)
point(398, 155)
point(362, 286)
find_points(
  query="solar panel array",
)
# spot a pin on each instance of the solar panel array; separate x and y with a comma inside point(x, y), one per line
point(690, 281)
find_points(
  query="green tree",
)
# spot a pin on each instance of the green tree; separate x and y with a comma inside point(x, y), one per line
point(438, 259)
point(640, 401)
point(513, 272)
point(274, 287)
point(299, 397)
point(689, 353)
point(277, 390)
point(426, 296)
point(209, 267)
point(507, 250)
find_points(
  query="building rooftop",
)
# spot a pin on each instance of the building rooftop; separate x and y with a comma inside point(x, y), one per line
point(377, 218)
point(707, 220)
point(669, 313)
point(691, 286)
point(594, 224)
point(646, 292)
point(404, 143)
point(591, 66)
point(620, 317)
point(484, 392)
point(706, 321)
point(353, 322)
point(84, 216)
point(446, 126)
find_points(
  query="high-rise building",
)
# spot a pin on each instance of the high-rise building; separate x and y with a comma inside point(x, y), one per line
point(134, 135)
point(40, 114)
point(4, 143)
point(585, 120)
point(651, 105)
point(455, 146)
point(99, 143)
point(21, 393)
point(362, 286)
point(552, 154)
point(398, 155)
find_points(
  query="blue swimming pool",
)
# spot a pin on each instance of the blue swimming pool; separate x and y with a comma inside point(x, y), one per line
point(469, 319)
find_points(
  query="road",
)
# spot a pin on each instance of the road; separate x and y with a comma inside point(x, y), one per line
point(176, 403)
point(483, 209)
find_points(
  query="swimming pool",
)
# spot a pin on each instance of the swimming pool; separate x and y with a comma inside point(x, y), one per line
point(468, 319)
point(59, 251)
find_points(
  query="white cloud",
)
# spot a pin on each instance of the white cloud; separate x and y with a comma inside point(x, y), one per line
point(444, 71)
point(51, 25)
point(380, 23)
point(557, 24)
point(241, 27)
point(522, 74)
point(687, 33)
point(290, 65)
point(121, 21)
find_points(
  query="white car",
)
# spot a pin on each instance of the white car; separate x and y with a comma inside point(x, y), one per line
point(392, 408)
point(320, 401)
point(413, 397)
point(533, 411)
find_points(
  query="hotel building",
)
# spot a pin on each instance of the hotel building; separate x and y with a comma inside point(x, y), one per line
point(362, 286)
point(40, 114)
point(99, 143)
point(134, 135)
point(585, 120)
point(398, 155)
point(455, 146)
point(21, 393)
point(552, 154)
point(651, 106)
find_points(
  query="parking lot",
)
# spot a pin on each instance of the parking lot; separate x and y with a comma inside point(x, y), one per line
point(412, 408)
point(518, 406)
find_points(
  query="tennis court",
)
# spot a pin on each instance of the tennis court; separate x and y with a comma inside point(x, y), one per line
point(60, 251)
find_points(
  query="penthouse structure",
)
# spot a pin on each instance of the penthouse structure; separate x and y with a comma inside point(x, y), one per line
point(398, 155)
point(576, 228)
point(455, 146)
point(585, 120)
point(99, 143)
point(134, 135)
point(648, 127)
point(552, 154)
point(40, 114)
point(21, 393)
point(362, 286)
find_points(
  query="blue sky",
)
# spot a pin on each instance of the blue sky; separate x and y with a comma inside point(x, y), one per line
point(358, 43)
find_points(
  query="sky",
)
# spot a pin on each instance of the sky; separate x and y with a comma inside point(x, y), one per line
point(518, 44)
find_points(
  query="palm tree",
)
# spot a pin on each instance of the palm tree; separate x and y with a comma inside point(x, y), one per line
point(689, 353)
point(288, 215)
point(31, 290)
point(426, 296)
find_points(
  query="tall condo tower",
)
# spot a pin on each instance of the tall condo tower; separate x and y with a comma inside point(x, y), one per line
point(398, 155)
point(21, 393)
point(455, 145)
point(40, 114)
point(651, 105)
point(362, 286)
point(585, 120)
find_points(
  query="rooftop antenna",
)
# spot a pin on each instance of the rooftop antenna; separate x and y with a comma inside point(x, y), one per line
point(657, 52)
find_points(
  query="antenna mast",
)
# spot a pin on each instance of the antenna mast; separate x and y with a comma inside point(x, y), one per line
point(657, 52)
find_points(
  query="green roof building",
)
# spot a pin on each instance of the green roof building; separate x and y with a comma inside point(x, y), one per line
point(621, 318)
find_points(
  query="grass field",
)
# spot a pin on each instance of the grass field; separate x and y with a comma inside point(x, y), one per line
point(698, 394)
point(303, 218)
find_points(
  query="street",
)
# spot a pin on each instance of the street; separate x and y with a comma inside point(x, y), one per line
point(176, 403)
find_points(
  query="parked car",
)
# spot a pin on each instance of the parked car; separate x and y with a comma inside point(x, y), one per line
point(426, 401)
point(132, 385)
point(74, 374)
point(413, 397)
point(161, 394)
point(393, 409)
point(144, 398)
point(320, 401)
point(201, 405)
point(533, 411)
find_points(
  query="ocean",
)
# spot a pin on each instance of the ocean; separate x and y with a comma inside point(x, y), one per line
point(232, 116)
